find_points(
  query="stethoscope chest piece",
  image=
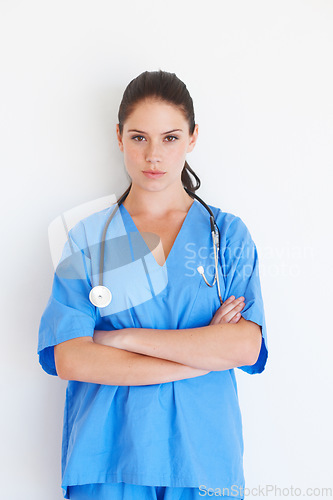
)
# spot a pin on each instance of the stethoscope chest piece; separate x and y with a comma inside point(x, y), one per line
point(100, 296)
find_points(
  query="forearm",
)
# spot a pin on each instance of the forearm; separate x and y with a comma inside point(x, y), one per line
point(86, 361)
point(213, 347)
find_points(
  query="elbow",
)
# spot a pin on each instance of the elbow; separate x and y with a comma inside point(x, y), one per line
point(253, 346)
point(62, 375)
point(71, 358)
point(64, 359)
point(66, 371)
point(61, 368)
point(60, 371)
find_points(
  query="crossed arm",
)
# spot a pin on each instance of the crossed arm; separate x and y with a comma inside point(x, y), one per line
point(141, 356)
point(213, 347)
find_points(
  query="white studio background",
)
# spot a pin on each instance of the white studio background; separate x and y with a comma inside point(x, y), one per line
point(260, 74)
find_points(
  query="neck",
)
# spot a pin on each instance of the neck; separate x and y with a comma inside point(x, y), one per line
point(157, 203)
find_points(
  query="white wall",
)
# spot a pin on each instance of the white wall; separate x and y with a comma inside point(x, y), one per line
point(260, 74)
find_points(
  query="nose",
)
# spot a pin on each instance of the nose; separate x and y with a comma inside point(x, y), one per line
point(152, 153)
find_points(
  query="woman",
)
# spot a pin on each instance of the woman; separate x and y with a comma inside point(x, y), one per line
point(151, 407)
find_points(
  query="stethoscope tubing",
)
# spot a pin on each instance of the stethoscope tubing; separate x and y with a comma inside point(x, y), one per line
point(100, 296)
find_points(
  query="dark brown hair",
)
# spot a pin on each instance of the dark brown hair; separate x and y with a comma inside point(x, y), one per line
point(166, 87)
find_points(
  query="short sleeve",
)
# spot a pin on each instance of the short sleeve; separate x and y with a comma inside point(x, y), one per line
point(241, 275)
point(69, 312)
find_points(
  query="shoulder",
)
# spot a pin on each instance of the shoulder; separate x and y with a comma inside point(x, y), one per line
point(90, 228)
point(231, 226)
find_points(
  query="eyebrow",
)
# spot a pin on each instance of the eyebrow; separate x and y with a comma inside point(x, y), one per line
point(169, 132)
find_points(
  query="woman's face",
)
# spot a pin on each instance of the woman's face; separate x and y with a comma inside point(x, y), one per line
point(155, 138)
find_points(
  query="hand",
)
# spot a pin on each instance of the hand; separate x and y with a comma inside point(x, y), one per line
point(229, 311)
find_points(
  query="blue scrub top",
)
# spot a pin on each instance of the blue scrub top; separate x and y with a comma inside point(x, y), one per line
point(186, 433)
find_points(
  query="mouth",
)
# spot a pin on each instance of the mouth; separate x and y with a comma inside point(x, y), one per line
point(153, 174)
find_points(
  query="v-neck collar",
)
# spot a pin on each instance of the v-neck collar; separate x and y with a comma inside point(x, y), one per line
point(175, 243)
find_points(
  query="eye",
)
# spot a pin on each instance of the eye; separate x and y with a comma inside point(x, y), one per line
point(172, 137)
point(138, 138)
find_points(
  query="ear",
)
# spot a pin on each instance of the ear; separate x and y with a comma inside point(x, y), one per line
point(193, 139)
point(119, 138)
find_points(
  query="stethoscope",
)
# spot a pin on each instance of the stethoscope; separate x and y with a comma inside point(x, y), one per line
point(100, 295)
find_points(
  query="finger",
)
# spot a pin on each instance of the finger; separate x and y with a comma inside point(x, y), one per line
point(228, 316)
point(229, 307)
point(228, 301)
point(236, 318)
point(232, 300)
point(227, 319)
point(225, 308)
point(223, 317)
point(232, 297)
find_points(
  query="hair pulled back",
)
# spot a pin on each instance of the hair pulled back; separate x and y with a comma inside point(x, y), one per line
point(167, 87)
